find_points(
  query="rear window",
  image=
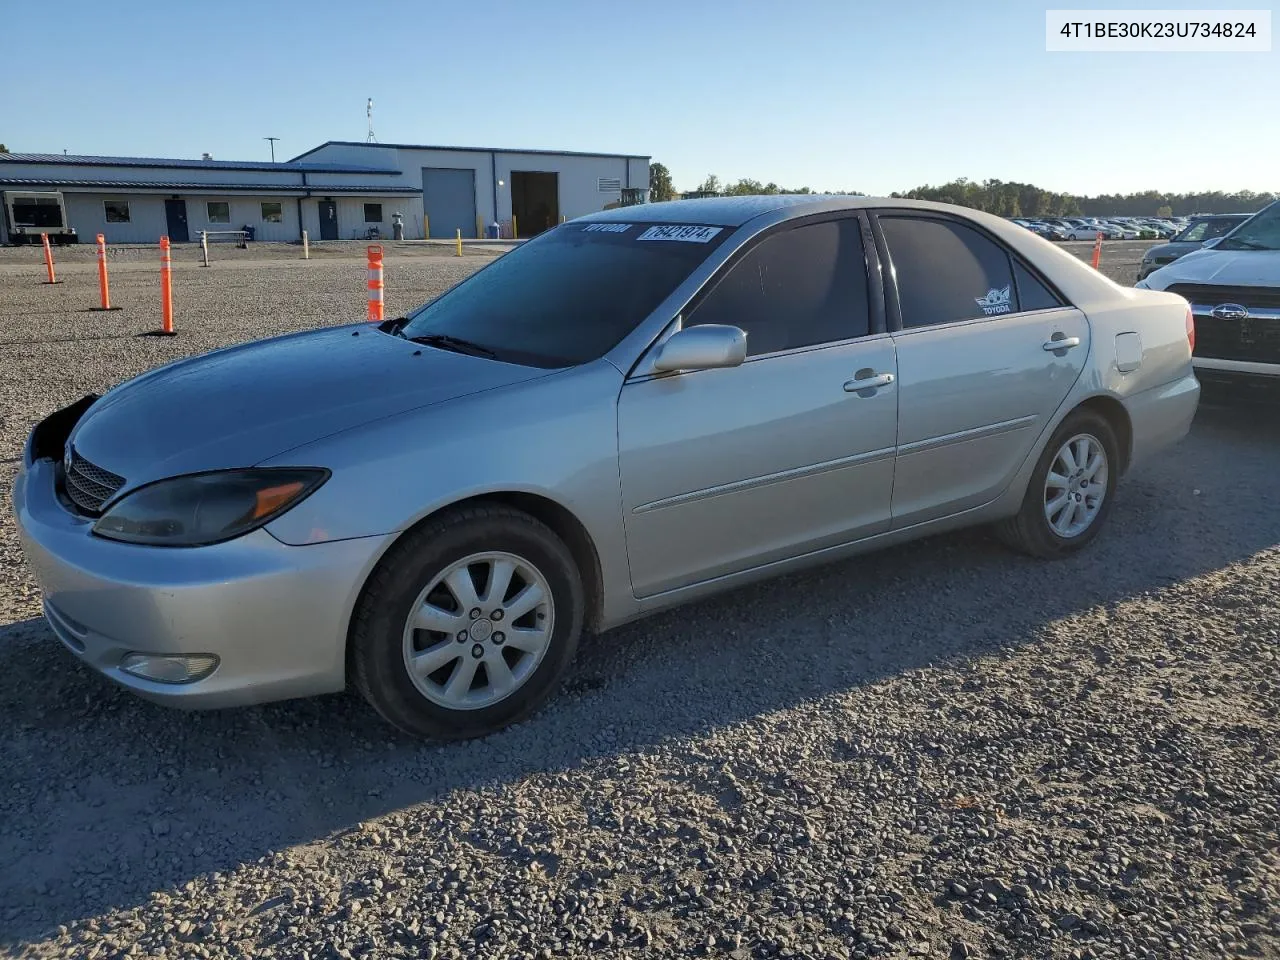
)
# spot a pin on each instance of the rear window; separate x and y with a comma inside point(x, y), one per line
point(571, 294)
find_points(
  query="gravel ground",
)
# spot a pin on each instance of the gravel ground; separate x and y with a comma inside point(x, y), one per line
point(939, 750)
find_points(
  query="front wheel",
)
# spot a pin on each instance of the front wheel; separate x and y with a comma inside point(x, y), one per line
point(468, 624)
point(1071, 490)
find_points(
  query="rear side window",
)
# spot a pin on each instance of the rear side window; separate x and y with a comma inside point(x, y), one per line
point(1032, 294)
point(796, 288)
point(947, 271)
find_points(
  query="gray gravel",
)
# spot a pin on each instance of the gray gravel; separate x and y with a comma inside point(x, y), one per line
point(940, 750)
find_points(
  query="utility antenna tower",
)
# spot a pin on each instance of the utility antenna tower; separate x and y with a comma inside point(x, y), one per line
point(369, 114)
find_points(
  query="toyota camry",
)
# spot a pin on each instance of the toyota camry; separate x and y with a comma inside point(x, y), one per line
point(630, 411)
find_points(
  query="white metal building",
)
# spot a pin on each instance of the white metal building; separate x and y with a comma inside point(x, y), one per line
point(469, 188)
point(340, 190)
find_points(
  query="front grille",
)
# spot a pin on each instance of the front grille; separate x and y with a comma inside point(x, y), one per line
point(1255, 338)
point(89, 485)
point(1213, 294)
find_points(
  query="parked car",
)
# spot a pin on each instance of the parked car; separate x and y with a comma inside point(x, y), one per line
point(614, 418)
point(1126, 232)
point(1233, 285)
point(1192, 238)
point(1090, 231)
point(1050, 231)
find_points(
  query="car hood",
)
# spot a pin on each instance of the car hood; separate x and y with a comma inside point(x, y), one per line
point(1179, 248)
point(242, 405)
point(1228, 268)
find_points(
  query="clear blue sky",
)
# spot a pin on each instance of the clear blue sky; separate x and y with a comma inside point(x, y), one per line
point(833, 94)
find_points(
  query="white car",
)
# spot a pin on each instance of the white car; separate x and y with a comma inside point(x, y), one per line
point(1088, 231)
point(1233, 285)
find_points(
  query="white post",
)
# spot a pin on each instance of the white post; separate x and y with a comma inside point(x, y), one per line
point(306, 247)
point(204, 246)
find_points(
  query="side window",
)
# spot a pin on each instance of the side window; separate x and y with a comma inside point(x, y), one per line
point(796, 288)
point(1197, 232)
point(1032, 294)
point(947, 271)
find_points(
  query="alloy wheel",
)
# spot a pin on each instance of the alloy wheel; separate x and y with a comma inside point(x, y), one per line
point(1075, 486)
point(479, 630)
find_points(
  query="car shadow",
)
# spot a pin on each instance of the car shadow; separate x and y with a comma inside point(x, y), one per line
point(108, 798)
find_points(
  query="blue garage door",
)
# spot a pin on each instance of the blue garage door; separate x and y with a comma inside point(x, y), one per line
point(449, 198)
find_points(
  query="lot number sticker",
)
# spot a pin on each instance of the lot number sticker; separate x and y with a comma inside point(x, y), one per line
point(685, 234)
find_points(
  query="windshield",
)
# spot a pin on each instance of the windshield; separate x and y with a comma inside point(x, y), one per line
point(1259, 232)
point(1204, 230)
point(569, 295)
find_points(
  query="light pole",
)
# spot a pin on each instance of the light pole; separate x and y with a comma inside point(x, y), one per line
point(272, 141)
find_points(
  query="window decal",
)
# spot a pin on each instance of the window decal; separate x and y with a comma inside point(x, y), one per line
point(684, 234)
point(996, 301)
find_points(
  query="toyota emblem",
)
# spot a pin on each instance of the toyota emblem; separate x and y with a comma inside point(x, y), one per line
point(1230, 311)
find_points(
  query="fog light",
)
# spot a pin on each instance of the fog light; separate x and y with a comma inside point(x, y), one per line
point(169, 667)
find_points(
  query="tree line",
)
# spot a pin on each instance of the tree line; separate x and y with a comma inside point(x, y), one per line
point(1002, 198)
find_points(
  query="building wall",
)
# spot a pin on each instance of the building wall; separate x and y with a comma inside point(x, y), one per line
point(578, 176)
point(351, 222)
point(147, 220)
point(245, 211)
point(85, 212)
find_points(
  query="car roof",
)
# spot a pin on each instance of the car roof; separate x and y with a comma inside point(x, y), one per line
point(1081, 284)
point(735, 211)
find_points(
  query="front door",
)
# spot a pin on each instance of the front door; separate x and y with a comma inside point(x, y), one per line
point(978, 377)
point(725, 470)
point(175, 213)
point(328, 219)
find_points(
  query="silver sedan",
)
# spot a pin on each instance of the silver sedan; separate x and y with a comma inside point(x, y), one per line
point(628, 412)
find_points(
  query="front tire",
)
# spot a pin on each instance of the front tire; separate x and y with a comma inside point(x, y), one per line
point(1071, 490)
point(468, 624)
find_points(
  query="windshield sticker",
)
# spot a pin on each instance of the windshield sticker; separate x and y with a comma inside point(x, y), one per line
point(996, 301)
point(606, 228)
point(685, 234)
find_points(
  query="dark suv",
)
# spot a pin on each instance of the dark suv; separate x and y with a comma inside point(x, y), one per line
point(1193, 237)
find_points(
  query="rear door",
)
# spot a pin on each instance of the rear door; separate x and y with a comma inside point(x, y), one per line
point(725, 470)
point(979, 374)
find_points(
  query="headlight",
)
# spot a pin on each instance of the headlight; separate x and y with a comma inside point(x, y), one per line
point(207, 508)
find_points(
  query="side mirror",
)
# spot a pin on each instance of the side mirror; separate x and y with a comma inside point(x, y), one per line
point(1210, 243)
point(702, 348)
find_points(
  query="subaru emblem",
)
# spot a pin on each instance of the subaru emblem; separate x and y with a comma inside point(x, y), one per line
point(1230, 311)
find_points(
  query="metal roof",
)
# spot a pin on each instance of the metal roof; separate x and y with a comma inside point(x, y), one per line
point(179, 164)
point(430, 146)
point(285, 189)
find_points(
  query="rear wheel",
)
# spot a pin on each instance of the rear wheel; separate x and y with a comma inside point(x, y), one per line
point(468, 624)
point(1071, 490)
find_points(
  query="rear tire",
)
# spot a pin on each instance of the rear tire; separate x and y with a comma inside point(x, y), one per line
point(468, 624)
point(1067, 503)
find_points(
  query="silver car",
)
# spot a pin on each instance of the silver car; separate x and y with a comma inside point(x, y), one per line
point(633, 410)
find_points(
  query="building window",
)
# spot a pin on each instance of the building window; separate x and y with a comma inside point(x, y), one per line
point(272, 213)
point(117, 211)
point(373, 213)
point(219, 211)
point(608, 184)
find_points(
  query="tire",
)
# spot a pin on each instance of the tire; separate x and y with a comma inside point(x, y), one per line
point(438, 702)
point(1030, 530)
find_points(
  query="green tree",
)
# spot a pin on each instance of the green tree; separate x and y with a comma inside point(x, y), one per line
point(710, 185)
point(3, 148)
point(660, 185)
point(1165, 211)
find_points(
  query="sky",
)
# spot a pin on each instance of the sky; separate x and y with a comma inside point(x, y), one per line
point(831, 94)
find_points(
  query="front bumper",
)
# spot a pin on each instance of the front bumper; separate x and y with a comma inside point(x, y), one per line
point(275, 615)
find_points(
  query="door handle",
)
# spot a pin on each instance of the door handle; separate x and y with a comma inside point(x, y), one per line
point(868, 383)
point(1066, 343)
